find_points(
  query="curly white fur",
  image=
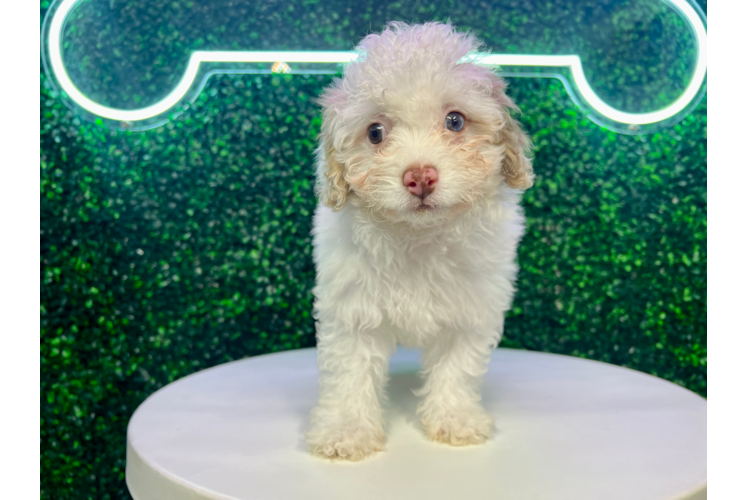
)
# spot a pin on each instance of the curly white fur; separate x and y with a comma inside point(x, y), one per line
point(391, 270)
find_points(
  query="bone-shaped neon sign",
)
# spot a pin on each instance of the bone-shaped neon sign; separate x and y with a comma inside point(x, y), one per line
point(606, 114)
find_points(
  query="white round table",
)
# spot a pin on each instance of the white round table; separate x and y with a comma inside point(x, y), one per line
point(567, 428)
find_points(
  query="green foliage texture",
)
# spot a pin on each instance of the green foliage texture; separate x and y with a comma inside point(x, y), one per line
point(175, 249)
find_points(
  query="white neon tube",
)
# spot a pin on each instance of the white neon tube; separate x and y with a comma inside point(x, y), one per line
point(553, 61)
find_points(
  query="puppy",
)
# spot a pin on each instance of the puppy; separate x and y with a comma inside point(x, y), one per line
point(419, 175)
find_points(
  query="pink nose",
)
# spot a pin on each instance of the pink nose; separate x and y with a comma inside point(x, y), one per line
point(421, 181)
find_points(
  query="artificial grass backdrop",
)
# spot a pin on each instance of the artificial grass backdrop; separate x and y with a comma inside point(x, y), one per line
point(168, 251)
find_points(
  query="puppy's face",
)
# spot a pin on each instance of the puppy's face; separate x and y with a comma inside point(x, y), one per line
point(414, 135)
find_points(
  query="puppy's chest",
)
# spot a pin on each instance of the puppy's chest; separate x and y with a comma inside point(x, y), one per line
point(422, 291)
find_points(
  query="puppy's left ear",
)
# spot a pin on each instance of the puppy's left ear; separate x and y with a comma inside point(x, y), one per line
point(516, 166)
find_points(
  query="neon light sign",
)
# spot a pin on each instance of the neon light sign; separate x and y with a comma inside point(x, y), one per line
point(328, 62)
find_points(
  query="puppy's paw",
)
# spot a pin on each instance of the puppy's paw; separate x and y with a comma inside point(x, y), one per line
point(459, 427)
point(353, 440)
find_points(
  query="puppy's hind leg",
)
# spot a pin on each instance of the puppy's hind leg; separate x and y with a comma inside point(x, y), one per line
point(454, 366)
point(348, 422)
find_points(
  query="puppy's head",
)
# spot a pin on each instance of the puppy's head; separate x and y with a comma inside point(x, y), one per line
point(414, 133)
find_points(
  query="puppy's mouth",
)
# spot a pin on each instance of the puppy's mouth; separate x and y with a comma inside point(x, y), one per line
point(425, 208)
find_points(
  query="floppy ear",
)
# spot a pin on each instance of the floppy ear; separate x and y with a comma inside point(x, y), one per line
point(331, 187)
point(516, 167)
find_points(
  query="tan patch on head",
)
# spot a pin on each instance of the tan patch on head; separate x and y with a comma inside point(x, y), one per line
point(472, 156)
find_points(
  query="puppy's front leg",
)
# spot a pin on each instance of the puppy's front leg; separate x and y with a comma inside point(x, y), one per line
point(348, 421)
point(454, 366)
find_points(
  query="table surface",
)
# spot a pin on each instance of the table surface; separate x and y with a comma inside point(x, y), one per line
point(567, 428)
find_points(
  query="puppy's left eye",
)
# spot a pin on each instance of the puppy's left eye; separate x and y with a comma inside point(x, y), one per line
point(454, 121)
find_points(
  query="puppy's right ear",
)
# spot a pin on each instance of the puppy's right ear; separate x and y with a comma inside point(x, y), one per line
point(331, 188)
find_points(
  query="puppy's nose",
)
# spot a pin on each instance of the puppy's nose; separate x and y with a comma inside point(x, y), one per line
point(421, 181)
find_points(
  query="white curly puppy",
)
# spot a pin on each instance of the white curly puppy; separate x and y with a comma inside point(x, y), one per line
point(419, 171)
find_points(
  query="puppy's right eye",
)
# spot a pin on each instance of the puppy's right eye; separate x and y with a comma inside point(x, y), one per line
point(376, 133)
